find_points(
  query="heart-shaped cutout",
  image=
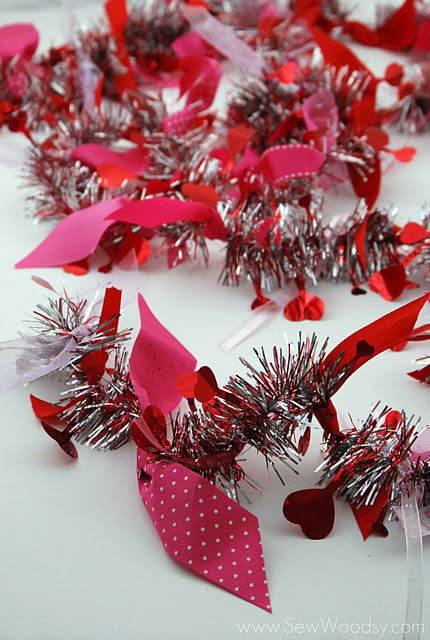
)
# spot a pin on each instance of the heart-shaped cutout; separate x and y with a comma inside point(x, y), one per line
point(412, 233)
point(206, 386)
point(186, 383)
point(389, 282)
point(363, 349)
point(62, 438)
point(313, 510)
point(305, 306)
point(156, 421)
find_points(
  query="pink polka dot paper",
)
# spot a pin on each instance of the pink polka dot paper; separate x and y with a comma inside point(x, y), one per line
point(204, 530)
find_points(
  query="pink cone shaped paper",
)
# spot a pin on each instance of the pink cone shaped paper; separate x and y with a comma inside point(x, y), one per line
point(204, 530)
point(156, 361)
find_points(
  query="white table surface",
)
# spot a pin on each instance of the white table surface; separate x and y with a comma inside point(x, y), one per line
point(79, 557)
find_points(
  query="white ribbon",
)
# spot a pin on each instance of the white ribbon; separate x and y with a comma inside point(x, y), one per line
point(414, 550)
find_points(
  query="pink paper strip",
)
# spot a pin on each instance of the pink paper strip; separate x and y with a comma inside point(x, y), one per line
point(224, 40)
point(156, 361)
point(153, 212)
point(204, 530)
point(20, 39)
point(74, 238)
point(289, 161)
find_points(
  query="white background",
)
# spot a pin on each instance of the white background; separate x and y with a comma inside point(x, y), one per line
point(79, 558)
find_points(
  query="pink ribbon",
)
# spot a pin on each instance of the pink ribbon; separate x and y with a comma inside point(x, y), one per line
point(74, 238)
point(289, 161)
point(77, 236)
point(153, 212)
point(203, 529)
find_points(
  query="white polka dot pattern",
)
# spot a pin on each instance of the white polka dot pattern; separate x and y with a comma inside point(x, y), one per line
point(204, 530)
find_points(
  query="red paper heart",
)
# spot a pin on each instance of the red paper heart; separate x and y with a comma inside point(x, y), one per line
point(405, 154)
point(389, 282)
point(305, 306)
point(413, 233)
point(394, 74)
point(62, 438)
point(78, 268)
point(43, 409)
point(206, 386)
point(156, 422)
point(313, 510)
point(185, 384)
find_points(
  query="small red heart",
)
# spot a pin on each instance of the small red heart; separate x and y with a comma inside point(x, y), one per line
point(156, 421)
point(79, 268)
point(186, 383)
point(203, 193)
point(405, 154)
point(313, 510)
point(43, 409)
point(62, 438)
point(412, 233)
point(206, 386)
point(305, 306)
point(389, 282)
point(363, 349)
point(139, 438)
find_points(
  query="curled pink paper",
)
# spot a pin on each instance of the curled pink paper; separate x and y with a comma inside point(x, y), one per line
point(156, 361)
point(289, 161)
point(74, 238)
point(154, 212)
point(204, 530)
point(18, 40)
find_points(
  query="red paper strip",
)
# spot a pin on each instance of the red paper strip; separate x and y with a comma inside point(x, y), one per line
point(111, 310)
point(376, 337)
